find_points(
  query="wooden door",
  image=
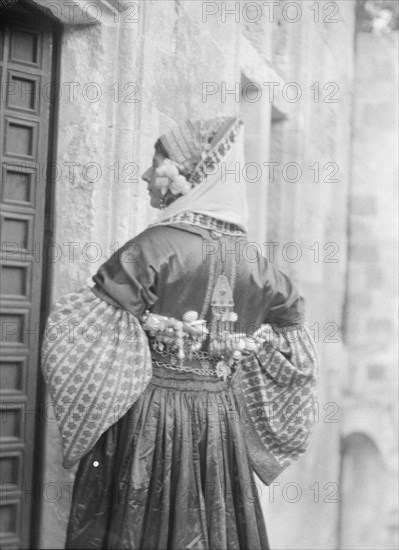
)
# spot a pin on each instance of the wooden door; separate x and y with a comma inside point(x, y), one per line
point(26, 49)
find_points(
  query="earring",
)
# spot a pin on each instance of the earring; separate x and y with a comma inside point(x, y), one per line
point(162, 203)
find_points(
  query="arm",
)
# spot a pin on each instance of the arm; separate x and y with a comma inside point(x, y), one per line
point(128, 278)
point(95, 355)
point(276, 387)
point(284, 307)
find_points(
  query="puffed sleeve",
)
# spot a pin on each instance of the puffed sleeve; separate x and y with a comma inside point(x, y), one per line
point(96, 362)
point(276, 386)
point(276, 389)
point(128, 278)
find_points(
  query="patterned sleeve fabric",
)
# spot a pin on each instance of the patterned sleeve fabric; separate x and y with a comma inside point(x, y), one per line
point(96, 362)
point(276, 392)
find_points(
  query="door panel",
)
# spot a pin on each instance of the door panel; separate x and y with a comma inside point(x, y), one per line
point(26, 46)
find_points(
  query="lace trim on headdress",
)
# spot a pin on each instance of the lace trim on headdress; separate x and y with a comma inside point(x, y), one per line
point(206, 222)
point(215, 155)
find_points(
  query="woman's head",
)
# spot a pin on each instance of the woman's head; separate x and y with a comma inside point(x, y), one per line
point(186, 155)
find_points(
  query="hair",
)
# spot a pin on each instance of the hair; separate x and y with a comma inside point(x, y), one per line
point(159, 148)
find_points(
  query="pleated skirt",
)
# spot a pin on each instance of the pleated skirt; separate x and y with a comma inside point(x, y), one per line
point(172, 474)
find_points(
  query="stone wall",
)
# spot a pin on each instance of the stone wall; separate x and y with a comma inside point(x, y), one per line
point(163, 56)
point(308, 218)
point(371, 382)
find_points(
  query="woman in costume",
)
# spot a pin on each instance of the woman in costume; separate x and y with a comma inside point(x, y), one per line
point(188, 369)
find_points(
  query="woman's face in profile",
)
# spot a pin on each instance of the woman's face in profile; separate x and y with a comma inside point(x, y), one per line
point(150, 177)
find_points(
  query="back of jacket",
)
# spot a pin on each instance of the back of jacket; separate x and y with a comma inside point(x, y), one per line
point(171, 269)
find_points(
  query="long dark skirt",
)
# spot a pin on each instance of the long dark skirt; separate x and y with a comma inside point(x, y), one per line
point(172, 474)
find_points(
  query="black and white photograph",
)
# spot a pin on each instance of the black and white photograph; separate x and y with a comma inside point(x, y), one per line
point(199, 275)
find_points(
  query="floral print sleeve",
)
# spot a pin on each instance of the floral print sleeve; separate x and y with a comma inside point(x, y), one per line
point(276, 389)
point(96, 362)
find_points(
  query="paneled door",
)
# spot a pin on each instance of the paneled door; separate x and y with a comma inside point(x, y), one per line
point(26, 50)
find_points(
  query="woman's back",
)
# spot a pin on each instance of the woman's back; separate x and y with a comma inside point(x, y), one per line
point(172, 269)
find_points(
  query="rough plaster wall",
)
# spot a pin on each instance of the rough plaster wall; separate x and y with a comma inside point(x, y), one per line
point(79, 140)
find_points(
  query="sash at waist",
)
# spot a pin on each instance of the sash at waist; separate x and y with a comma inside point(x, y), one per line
point(200, 364)
point(200, 359)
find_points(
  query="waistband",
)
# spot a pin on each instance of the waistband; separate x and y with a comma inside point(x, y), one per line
point(164, 377)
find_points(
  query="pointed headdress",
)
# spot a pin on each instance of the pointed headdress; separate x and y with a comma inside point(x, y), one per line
point(210, 155)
